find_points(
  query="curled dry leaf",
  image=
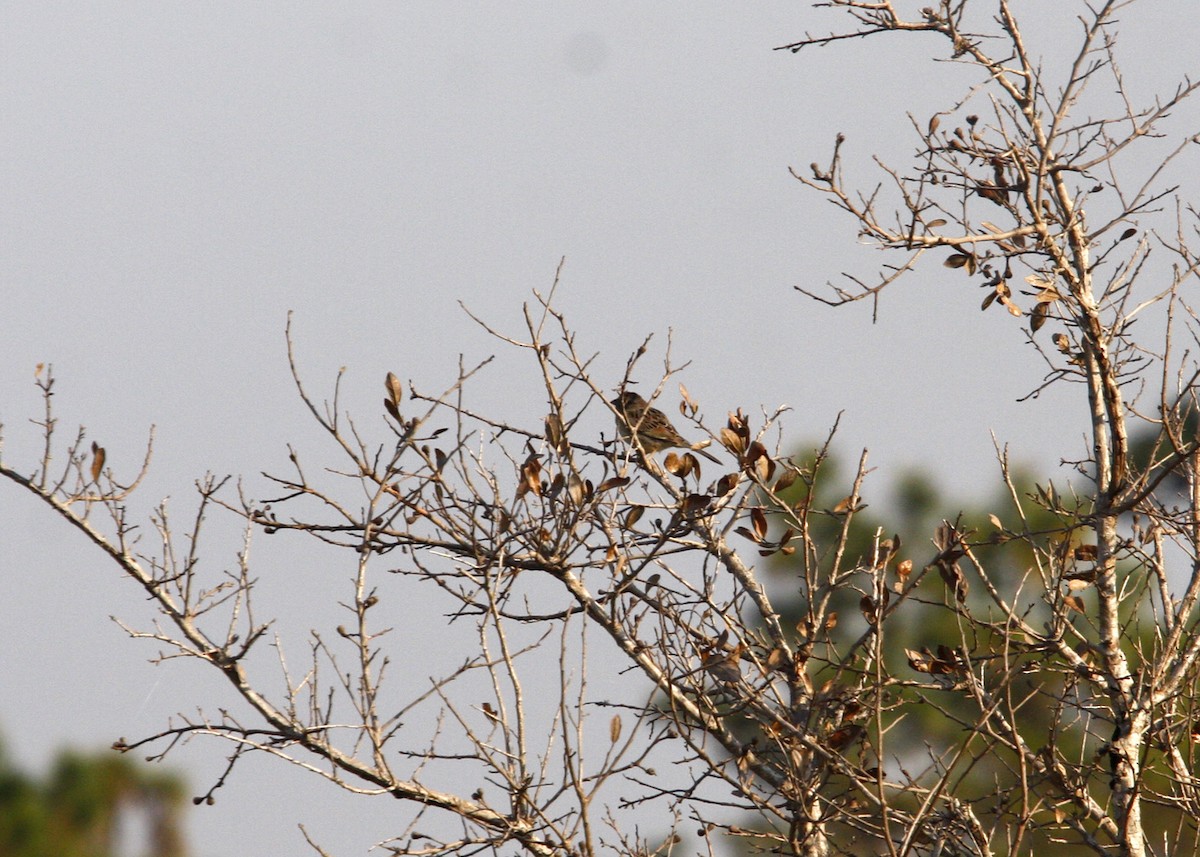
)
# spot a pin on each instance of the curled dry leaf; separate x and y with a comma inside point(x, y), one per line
point(555, 435)
point(395, 389)
point(785, 480)
point(961, 260)
point(727, 483)
point(681, 465)
point(1038, 317)
point(764, 467)
point(1074, 602)
point(759, 519)
point(578, 490)
point(918, 661)
point(946, 662)
point(687, 406)
point(531, 478)
point(867, 605)
point(844, 506)
point(613, 482)
point(746, 534)
point(732, 441)
point(758, 461)
point(887, 549)
point(691, 464)
point(1080, 580)
point(98, 457)
point(614, 728)
point(953, 577)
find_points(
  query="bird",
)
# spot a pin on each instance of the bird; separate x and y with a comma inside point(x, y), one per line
point(722, 665)
point(654, 431)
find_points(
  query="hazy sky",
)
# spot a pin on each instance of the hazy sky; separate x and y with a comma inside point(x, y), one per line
point(177, 176)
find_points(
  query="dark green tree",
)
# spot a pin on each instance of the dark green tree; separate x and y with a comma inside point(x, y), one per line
point(79, 808)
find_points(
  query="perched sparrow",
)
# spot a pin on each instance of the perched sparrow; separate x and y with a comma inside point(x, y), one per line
point(654, 431)
point(724, 666)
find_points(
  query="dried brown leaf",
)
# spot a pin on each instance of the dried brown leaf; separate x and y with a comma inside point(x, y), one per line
point(98, 457)
point(394, 387)
point(918, 661)
point(759, 519)
point(1038, 317)
point(746, 534)
point(555, 435)
point(577, 490)
point(680, 465)
point(686, 401)
point(613, 482)
point(732, 441)
point(727, 483)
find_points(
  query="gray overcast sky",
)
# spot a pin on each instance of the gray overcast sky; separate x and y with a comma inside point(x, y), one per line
point(177, 176)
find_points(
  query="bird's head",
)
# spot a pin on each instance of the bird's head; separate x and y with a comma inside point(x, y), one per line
point(627, 400)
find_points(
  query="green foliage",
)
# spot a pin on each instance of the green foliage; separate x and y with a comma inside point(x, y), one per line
point(75, 810)
point(1011, 533)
